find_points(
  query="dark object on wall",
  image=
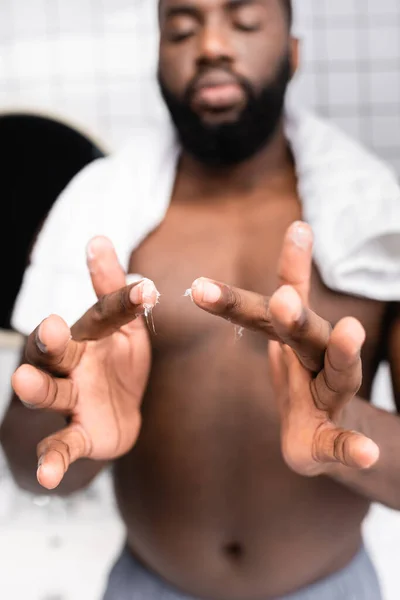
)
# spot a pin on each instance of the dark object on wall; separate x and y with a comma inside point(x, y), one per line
point(39, 156)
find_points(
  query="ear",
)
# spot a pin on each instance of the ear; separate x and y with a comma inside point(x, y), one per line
point(294, 50)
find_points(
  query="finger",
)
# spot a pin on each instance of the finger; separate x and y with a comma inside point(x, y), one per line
point(50, 347)
point(106, 273)
point(277, 366)
point(295, 262)
point(57, 452)
point(299, 327)
point(299, 380)
point(241, 307)
point(282, 317)
point(279, 375)
point(37, 390)
point(341, 377)
point(114, 310)
point(349, 448)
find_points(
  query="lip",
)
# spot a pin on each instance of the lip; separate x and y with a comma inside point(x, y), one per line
point(217, 90)
point(214, 79)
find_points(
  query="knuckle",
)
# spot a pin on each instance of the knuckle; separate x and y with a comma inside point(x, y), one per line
point(318, 393)
point(301, 327)
point(335, 387)
point(75, 353)
point(123, 301)
point(100, 309)
point(234, 301)
point(343, 383)
point(72, 398)
point(339, 446)
point(50, 395)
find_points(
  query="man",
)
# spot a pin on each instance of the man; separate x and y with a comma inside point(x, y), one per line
point(234, 482)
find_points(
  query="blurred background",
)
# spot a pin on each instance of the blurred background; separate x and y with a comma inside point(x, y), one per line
point(89, 64)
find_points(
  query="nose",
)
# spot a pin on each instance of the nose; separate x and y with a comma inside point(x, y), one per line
point(215, 45)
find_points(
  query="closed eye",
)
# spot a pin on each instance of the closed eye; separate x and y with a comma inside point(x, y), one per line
point(248, 27)
point(181, 36)
point(181, 27)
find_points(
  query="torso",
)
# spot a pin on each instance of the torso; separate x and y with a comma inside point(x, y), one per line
point(207, 499)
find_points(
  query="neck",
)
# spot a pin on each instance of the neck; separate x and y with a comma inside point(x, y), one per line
point(273, 161)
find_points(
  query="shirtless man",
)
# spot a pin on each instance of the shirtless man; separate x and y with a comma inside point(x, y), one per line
point(232, 479)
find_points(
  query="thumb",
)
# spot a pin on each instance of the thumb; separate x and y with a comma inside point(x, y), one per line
point(299, 377)
point(295, 261)
point(106, 272)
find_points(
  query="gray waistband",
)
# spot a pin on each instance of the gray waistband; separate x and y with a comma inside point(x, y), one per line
point(130, 580)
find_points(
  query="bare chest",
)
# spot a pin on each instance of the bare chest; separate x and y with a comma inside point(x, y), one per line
point(240, 246)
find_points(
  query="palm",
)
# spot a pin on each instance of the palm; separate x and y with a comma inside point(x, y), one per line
point(110, 380)
point(313, 394)
point(94, 373)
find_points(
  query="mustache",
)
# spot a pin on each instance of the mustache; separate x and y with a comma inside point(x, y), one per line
point(194, 84)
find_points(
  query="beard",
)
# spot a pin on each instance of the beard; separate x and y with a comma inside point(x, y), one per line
point(233, 142)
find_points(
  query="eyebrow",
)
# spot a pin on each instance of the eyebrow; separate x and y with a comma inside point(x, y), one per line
point(189, 9)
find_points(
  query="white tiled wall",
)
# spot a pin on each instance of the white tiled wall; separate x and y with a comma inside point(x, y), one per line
point(351, 72)
point(91, 62)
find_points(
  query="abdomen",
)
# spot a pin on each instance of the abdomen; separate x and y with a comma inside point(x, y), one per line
point(207, 499)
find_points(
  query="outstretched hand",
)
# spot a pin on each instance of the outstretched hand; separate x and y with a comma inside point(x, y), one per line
point(94, 373)
point(315, 371)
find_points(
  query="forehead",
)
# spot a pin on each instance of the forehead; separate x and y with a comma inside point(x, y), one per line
point(207, 5)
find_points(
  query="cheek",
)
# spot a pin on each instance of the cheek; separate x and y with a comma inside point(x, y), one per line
point(176, 69)
point(261, 60)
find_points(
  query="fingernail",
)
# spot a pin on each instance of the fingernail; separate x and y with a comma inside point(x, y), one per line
point(28, 406)
point(96, 244)
point(145, 293)
point(133, 278)
point(136, 294)
point(40, 345)
point(290, 300)
point(300, 235)
point(40, 461)
point(206, 291)
point(297, 313)
point(150, 293)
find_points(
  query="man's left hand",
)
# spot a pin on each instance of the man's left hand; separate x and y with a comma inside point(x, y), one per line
point(315, 371)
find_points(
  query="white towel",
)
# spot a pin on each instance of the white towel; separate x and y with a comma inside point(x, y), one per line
point(349, 197)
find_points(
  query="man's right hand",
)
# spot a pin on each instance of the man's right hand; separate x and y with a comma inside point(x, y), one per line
point(94, 374)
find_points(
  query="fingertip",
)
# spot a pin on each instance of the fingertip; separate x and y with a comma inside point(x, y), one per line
point(53, 334)
point(50, 471)
point(366, 452)
point(206, 291)
point(353, 328)
point(286, 305)
point(97, 245)
point(20, 375)
point(144, 293)
point(300, 233)
point(27, 383)
point(350, 335)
